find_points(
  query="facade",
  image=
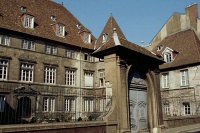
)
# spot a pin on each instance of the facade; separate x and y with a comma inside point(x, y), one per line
point(52, 69)
point(178, 44)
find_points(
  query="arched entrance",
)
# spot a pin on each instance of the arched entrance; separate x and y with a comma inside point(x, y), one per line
point(24, 107)
point(137, 101)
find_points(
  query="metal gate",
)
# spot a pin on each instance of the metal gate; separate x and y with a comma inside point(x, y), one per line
point(137, 103)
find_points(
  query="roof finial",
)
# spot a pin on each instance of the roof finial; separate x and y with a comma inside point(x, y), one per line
point(111, 14)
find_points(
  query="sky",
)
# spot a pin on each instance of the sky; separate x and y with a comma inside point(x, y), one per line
point(139, 20)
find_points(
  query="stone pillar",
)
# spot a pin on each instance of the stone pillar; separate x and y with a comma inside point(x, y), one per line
point(115, 74)
point(154, 104)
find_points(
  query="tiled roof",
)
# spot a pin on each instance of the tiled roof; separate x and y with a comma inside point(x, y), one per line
point(108, 29)
point(186, 44)
point(42, 10)
point(126, 44)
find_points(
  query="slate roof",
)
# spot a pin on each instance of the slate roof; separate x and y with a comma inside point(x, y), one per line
point(186, 43)
point(42, 10)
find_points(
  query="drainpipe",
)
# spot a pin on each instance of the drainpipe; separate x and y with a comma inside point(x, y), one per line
point(80, 91)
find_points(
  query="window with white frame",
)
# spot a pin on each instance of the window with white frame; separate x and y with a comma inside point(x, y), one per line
point(88, 77)
point(4, 40)
point(26, 72)
point(70, 104)
point(88, 105)
point(168, 57)
point(2, 103)
point(48, 104)
point(186, 108)
point(50, 75)
point(105, 37)
point(87, 37)
point(30, 45)
point(167, 109)
point(60, 30)
point(102, 104)
point(71, 53)
point(165, 80)
point(101, 79)
point(70, 76)
point(3, 69)
point(28, 21)
point(184, 78)
point(51, 50)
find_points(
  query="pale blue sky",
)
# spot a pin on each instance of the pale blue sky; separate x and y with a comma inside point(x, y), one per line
point(139, 20)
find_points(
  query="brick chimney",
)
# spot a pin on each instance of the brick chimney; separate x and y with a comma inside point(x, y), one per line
point(192, 12)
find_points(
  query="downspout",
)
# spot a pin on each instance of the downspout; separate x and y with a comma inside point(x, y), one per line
point(80, 91)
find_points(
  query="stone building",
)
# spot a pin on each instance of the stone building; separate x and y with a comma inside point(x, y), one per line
point(53, 69)
point(178, 44)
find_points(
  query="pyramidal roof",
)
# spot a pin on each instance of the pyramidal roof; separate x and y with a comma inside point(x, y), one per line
point(116, 39)
point(109, 28)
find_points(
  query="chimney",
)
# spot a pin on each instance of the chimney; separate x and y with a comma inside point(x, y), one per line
point(192, 12)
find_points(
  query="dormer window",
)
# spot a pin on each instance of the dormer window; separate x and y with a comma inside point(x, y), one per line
point(87, 37)
point(105, 37)
point(53, 18)
point(60, 30)
point(28, 21)
point(23, 9)
point(159, 48)
point(168, 54)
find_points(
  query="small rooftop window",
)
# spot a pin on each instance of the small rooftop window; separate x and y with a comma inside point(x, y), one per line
point(87, 37)
point(23, 9)
point(60, 30)
point(159, 48)
point(28, 21)
point(105, 37)
point(53, 18)
point(78, 26)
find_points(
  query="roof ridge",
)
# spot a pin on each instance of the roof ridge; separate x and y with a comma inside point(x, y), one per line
point(195, 37)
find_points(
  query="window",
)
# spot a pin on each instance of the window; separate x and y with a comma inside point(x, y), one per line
point(105, 37)
point(186, 108)
point(2, 103)
point(184, 78)
point(26, 72)
point(168, 56)
point(101, 79)
point(51, 50)
point(88, 79)
point(159, 48)
point(88, 105)
point(28, 21)
point(70, 77)
point(165, 80)
point(87, 37)
point(102, 104)
point(50, 75)
point(70, 104)
point(167, 109)
point(48, 104)
point(4, 40)
point(30, 45)
point(89, 58)
point(3, 69)
point(71, 53)
point(60, 30)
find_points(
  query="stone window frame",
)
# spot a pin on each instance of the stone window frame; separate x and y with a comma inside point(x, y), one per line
point(184, 74)
point(70, 76)
point(165, 80)
point(167, 109)
point(71, 53)
point(88, 105)
point(5, 40)
point(69, 104)
point(26, 71)
point(102, 82)
point(50, 74)
point(187, 108)
point(27, 44)
point(49, 104)
point(88, 75)
point(49, 49)
point(4, 69)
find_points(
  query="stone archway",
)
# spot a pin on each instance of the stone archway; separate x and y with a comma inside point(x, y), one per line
point(137, 93)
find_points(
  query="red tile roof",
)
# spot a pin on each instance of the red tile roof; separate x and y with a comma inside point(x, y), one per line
point(186, 43)
point(42, 10)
